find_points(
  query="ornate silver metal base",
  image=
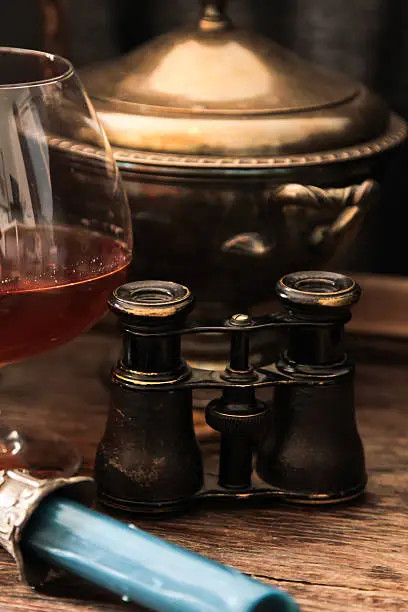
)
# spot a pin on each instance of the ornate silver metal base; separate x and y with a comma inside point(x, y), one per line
point(20, 496)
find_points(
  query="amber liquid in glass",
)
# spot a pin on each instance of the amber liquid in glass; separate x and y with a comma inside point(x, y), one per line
point(54, 284)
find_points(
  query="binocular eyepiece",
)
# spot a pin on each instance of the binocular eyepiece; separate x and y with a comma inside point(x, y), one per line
point(147, 302)
point(299, 444)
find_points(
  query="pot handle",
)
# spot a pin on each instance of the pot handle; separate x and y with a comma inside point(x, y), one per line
point(309, 210)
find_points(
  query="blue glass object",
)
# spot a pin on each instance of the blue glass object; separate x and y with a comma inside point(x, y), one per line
point(140, 567)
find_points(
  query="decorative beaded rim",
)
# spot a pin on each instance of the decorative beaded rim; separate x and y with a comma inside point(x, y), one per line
point(396, 134)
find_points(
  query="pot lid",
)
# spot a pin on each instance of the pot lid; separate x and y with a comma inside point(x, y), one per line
point(216, 92)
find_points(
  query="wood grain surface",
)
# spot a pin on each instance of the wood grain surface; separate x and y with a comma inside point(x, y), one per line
point(350, 558)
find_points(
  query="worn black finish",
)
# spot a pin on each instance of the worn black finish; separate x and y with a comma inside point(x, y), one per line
point(149, 455)
point(314, 446)
point(306, 445)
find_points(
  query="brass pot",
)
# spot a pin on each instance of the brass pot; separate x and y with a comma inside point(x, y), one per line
point(241, 161)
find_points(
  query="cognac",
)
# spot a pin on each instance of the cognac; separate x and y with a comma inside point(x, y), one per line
point(54, 284)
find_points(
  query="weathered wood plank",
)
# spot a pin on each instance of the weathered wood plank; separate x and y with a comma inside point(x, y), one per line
point(352, 557)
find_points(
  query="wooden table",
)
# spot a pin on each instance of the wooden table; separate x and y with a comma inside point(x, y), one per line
point(352, 557)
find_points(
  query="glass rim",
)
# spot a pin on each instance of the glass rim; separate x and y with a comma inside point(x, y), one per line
point(66, 68)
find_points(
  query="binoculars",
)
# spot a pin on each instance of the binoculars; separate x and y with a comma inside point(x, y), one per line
point(300, 444)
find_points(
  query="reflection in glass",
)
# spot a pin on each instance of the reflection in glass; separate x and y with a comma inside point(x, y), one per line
point(65, 238)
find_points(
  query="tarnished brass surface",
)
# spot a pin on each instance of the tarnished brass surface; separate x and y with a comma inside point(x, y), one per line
point(241, 161)
point(221, 91)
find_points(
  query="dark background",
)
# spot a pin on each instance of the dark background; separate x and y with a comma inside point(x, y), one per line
point(367, 39)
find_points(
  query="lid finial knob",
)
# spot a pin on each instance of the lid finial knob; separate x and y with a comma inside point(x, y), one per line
point(213, 16)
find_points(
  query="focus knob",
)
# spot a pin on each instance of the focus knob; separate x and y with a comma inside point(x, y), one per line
point(236, 419)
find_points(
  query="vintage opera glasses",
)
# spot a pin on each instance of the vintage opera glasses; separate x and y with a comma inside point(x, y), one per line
point(303, 446)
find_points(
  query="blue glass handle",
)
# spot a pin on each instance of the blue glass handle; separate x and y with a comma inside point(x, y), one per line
point(140, 567)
